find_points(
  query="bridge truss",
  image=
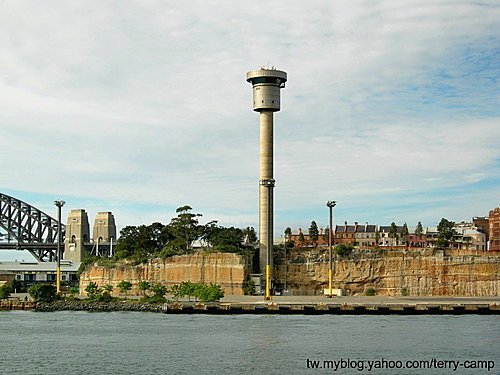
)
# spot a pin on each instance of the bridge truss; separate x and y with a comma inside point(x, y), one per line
point(24, 227)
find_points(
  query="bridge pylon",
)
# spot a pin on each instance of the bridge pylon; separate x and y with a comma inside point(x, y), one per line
point(77, 236)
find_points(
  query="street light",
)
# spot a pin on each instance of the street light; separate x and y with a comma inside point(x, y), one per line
point(269, 183)
point(286, 266)
point(330, 205)
point(59, 204)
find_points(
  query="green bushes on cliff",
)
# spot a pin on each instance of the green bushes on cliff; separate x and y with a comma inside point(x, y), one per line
point(344, 250)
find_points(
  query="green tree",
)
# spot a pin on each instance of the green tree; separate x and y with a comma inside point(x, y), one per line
point(108, 288)
point(229, 240)
point(249, 235)
point(158, 290)
point(187, 289)
point(288, 235)
point(202, 292)
point(144, 286)
point(5, 291)
point(343, 250)
point(313, 231)
point(393, 232)
point(419, 230)
point(326, 233)
point(208, 293)
point(185, 229)
point(158, 296)
point(377, 237)
point(176, 291)
point(370, 292)
point(446, 231)
point(142, 242)
point(92, 290)
point(73, 291)
point(405, 233)
point(43, 292)
point(249, 287)
point(124, 286)
point(301, 237)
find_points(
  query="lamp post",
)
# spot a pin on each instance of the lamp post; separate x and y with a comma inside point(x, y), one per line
point(59, 204)
point(269, 183)
point(286, 266)
point(330, 205)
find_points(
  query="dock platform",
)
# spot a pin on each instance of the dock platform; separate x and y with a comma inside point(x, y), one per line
point(320, 305)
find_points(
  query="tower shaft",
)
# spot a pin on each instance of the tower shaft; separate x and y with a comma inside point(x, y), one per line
point(266, 86)
point(266, 202)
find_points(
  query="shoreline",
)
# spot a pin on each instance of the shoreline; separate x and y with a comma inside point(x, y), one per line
point(280, 306)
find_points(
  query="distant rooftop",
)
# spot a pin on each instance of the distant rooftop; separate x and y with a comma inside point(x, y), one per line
point(66, 265)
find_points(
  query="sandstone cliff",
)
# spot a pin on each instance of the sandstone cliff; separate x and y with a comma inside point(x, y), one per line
point(228, 270)
point(414, 274)
point(417, 274)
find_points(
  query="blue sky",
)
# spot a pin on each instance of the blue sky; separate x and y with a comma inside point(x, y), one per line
point(392, 108)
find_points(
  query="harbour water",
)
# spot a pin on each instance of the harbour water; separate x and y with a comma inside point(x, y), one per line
point(148, 343)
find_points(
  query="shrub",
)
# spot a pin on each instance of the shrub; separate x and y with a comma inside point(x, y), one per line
point(102, 297)
point(154, 299)
point(108, 288)
point(124, 286)
point(92, 289)
point(343, 250)
point(208, 293)
point(5, 291)
point(89, 259)
point(405, 292)
point(249, 287)
point(94, 293)
point(43, 292)
point(203, 292)
point(144, 286)
point(370, 292)
point(158, 290)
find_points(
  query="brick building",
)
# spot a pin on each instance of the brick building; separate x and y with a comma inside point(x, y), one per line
point(494, 230)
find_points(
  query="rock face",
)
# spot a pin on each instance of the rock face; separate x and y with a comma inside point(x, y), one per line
point(228, 270)
point(414, 275)
point(417, 274)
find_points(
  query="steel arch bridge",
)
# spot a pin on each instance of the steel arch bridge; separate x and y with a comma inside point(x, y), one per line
point(24, 227)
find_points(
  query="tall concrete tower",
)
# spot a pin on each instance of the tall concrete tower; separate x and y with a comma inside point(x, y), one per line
point(77, 235)
point(266, 85)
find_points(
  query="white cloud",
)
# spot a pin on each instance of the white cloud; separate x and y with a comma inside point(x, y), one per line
point(147, 103)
